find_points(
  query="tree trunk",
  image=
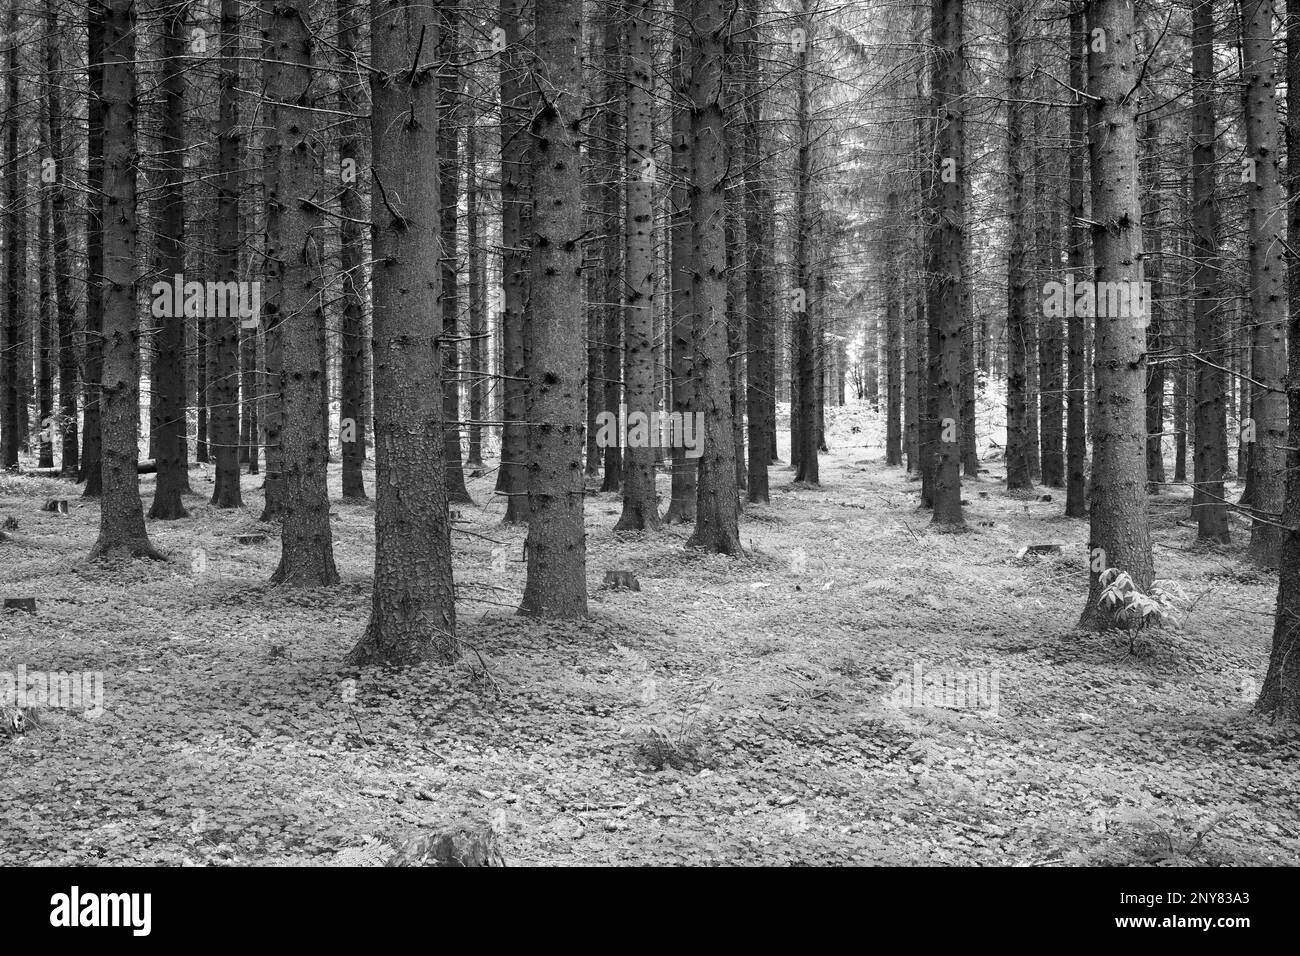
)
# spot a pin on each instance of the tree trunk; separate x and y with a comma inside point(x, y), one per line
point(515, 234)
point(803, 407)
point(413, 606)
point(15, 265)
point(946, 254)
point(1153, 263)
point(355, 342)
point(1266, 279)
point(716, 520)
point(685, 470)
point(167, 378)
point(758, 269)
point(640, 500)
point(1119, 532)
point(893, 341)
point(1076, 435)
point(1211, 331)
point(223, 330)
point(1279, 697)
point(1018, 315)
point(477, 306)
point(306, 540)
point(65, 307)
point(92, 369)
point(556, 584)
point(121, 513)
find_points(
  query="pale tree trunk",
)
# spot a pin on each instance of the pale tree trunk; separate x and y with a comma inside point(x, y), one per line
point(223, 331)
point(1279, 697)
point(1120, 537)
point(556, 584)
point(946, 253)
point(716, 518)
point(355, 342)
point(306, 540)
point(1266, 280)
point(1211, 334)
point(1076, 435)
point(121, 513)
point(168, 376)
point(413, 609)
point(515, 233)
point(640, 500)
point(1018, 304)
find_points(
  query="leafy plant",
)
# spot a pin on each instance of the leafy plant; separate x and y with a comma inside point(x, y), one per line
point(1134, 610)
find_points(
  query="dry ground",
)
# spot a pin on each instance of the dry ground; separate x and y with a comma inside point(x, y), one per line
point(732, 711)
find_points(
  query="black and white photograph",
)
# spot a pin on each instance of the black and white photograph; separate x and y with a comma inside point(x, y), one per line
point(651, 433)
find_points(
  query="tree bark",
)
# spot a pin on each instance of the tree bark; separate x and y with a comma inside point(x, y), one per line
point(1076, 435)
point(516, 219)
point(355, 342)
point(306, 540)
point(1019, 470)
point(168, 375)
point(946, 254)
point(1119, 531)
point(556, 583)
point(640, 500)
point(716, 520)
point(413, 607)
point(1266, 281)
point(121, 513)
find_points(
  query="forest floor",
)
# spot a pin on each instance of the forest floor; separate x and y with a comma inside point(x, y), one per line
point(732, 711)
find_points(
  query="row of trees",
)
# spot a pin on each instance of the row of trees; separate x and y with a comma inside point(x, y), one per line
point(472, 228)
